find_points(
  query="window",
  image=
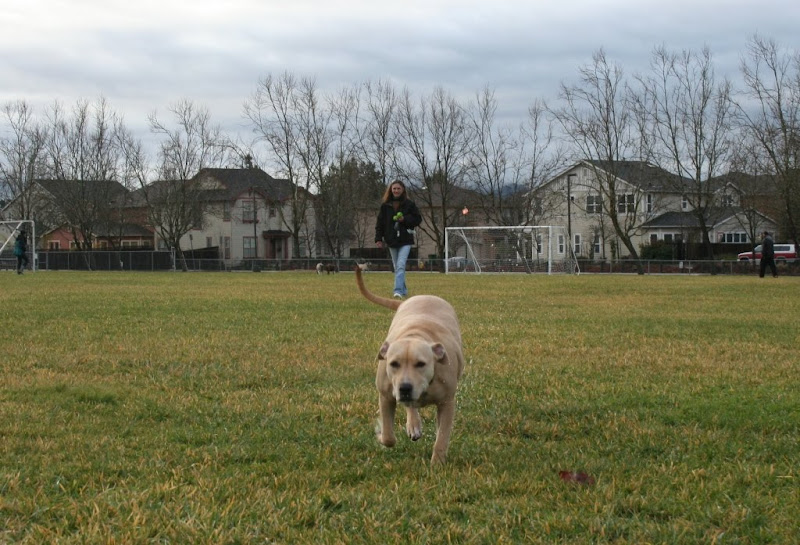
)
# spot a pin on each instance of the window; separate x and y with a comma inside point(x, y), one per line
point(226, 211)
point(684, 203)
point(249, 247)
point(272, 211)
point(653, 238)
point(130, 243)
point(249, 211)
point(576, 246)
point(225, 244)
point(733, 238)
point(626, 204)
point(209, 242)
point(667, 237)
point(54, 245)
point(649, 203)
point(593, 204)
point(561, 241)
point(728, 200)
point(539, 248)
point(598, 244)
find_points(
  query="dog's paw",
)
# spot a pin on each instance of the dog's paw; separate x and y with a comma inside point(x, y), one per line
point(413, 425)
point(414, 433)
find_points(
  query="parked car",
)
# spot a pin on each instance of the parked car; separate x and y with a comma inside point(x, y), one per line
point(785, 253)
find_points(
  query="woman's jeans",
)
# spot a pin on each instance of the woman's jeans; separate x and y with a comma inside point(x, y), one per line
point(399, 258)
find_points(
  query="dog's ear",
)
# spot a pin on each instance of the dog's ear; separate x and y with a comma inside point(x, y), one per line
point(439, 352)
point(383, 350)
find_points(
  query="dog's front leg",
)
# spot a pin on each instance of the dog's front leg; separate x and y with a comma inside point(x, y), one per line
point(445, 414)
point(413, 423)
point(388, 405)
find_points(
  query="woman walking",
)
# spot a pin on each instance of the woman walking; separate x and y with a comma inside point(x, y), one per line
point(397, 218)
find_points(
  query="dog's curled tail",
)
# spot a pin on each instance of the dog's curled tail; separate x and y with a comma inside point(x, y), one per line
point(382, 301)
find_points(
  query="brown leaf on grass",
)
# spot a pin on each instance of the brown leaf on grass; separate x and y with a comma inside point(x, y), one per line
point(577, 477)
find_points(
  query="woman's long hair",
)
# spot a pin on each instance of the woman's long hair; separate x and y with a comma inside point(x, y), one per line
point(387, 195)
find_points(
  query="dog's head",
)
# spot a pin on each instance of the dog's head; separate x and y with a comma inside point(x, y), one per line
point(411, 366)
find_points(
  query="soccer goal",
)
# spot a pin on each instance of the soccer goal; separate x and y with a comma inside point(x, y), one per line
point(9, 229)
point(521, 248)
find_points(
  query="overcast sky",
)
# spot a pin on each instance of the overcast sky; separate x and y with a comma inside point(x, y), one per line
point(143, 55)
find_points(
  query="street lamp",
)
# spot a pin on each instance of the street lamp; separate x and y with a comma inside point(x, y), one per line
point(464, 212)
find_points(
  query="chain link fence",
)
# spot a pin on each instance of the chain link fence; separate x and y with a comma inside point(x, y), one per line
point(167, 261)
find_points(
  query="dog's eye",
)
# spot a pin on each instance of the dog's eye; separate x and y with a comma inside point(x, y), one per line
point(419, 364)
point(394, 364)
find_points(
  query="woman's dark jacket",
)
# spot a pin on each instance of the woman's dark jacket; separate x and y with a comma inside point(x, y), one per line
point(396, 234)
point(20, 246)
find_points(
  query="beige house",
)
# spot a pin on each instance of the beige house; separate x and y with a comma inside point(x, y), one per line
point(651, 204)
point(246, 215)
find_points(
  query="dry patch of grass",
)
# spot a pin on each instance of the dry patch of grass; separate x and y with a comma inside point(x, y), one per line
point(239, 408)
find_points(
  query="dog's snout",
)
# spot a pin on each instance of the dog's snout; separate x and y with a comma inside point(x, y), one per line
point(405, 390)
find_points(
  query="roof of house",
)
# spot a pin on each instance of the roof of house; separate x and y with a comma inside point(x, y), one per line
point(749, 184)
point(235, 181)
point(224, 184)
point(689, 220)
point(71, 189)
point(643, 175)
point(112, 231)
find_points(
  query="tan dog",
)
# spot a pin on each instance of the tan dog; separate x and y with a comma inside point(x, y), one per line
point(419, 364)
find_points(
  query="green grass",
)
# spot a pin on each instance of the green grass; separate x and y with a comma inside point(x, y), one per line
point(240, 408)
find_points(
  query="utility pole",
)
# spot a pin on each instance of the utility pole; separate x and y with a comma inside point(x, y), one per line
point(569, 208)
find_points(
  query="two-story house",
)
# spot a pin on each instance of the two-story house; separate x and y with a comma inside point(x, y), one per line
point(650, 205)
point(248, 214)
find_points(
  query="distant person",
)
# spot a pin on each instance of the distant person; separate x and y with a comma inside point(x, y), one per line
point(397, 218)
point(21, 251)
point(768, 256)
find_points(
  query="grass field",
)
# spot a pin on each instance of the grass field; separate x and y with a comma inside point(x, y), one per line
point(240, 408)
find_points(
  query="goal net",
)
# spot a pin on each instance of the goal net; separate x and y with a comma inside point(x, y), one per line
point(9, 230)
point(522, 248)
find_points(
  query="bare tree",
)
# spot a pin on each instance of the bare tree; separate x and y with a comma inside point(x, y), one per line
point(692, 120)
point(435, 140)
point(84, 164)
point(175, 202)
point(286, 115)
point(598, 119)
point(339, 194)
point(506, 166)
point(750, 177)
point(378, 126)
point(22, 155)
point(316, 142)
point(770, 113)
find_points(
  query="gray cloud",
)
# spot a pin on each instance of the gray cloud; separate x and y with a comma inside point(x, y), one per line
point(145, 56)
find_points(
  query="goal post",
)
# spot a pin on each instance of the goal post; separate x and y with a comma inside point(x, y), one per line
point(9, 230)
point(521, 248)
